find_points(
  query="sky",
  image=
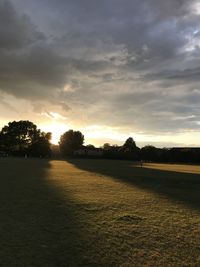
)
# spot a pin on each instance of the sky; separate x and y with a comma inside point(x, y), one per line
point(110, 68)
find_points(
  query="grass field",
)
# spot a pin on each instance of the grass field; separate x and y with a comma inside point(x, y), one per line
point(98, 213)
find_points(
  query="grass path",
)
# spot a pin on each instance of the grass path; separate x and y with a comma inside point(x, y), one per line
point(97, 213)
point(174, 167)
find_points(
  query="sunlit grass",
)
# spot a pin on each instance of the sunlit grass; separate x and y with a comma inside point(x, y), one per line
point(174, 167)
point(97, 213)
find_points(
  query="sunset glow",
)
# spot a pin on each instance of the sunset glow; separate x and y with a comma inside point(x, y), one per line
point(57, 129)
point(100, 132)
point(105, 68)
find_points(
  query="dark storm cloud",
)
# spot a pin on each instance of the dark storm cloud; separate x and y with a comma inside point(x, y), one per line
point(157, 24)
point(111, 58)
point(187, 74)
point(16, 31)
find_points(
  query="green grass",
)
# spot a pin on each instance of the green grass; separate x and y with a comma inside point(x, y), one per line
point(98, 213)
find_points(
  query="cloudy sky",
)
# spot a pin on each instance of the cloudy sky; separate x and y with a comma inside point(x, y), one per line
point(109, 68)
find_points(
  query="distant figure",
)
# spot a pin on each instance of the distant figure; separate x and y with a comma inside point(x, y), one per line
point(26, 156)
point(141, 163)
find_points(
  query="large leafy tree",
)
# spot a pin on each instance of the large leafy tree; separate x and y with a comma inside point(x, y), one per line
point(70, 141)
point(130, 150)
point(129, 145)
point(22, 137)
point(41, 146)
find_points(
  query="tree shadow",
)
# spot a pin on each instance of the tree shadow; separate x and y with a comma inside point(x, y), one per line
point(38, 226)
point(177, 186)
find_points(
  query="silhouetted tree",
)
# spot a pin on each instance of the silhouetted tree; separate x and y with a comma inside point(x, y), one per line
point(22, 137)
point(107, 147)
point(41, 146)
point(129, 145)
point(70, 141)
point(2, 142)
point(130, 150)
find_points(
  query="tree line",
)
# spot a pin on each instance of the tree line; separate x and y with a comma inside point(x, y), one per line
point(151, 153)
point(23, 138)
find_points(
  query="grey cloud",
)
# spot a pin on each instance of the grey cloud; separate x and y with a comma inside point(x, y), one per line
point(119, 61)
point(187, 74)
point(172, 78)
point(16, 31)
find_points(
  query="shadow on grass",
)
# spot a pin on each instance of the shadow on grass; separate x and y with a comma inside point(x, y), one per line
point(181, 187)
point(38, 227)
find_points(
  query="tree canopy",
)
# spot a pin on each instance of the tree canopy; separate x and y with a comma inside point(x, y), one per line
point(129, 145)
point(70, 141)
point(23, 137)
point(20, 138)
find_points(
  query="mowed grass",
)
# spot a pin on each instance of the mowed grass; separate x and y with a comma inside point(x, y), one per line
point(98, 213)
point(174, 167)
